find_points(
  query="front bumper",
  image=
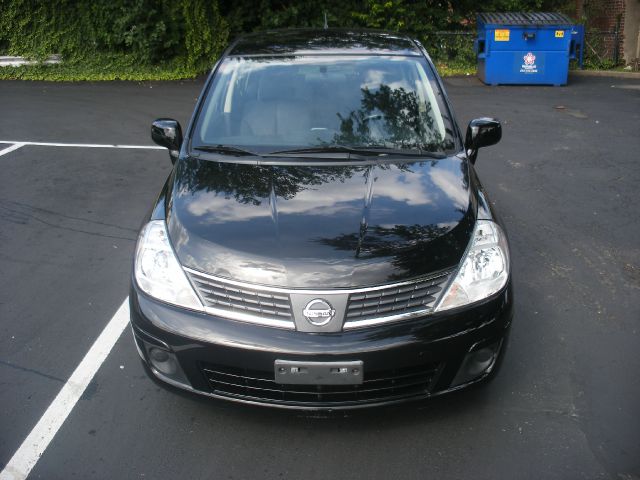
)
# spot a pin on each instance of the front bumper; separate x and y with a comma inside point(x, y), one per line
point(401, 361)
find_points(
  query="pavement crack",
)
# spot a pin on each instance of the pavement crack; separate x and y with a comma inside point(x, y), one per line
point(31, 370)
point(16, 216)
point(62, 215)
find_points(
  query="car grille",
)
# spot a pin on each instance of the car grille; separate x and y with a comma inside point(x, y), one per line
point(259, 386)
point(418, 295)
point(271, 306)
point(244, 301)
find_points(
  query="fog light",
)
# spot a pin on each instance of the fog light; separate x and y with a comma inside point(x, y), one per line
point(160, 358)
point(480, 361)
point(163, 361)
point(477, 363)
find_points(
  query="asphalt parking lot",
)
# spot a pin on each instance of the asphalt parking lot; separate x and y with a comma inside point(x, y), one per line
point(566, 403)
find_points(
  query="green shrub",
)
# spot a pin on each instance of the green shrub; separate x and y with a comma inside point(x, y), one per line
point(124, 35)
point(162, 39)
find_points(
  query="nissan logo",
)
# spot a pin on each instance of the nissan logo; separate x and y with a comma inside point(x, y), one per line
point(318, 312)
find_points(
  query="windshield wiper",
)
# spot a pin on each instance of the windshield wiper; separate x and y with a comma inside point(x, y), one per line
point(369, 151)
point(324, 149)
point(374, 151)
point(405, 152)
point(227, 150)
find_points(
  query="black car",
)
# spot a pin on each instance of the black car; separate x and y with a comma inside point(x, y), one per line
point(323, 240)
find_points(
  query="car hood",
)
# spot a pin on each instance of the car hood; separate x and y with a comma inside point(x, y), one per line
point(320, 226)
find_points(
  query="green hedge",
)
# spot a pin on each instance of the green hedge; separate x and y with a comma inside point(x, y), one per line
point(168, 39)
point(127, 39)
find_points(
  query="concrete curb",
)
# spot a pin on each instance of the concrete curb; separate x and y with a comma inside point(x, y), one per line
point(6, 61)
point(605, 73)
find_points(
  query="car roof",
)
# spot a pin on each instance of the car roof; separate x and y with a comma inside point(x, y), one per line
point(323, 42)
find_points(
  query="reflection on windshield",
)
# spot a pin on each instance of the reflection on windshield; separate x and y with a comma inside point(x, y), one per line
point(391, 118)
point(358, 101)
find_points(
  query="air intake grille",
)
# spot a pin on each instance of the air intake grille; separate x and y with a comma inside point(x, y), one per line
point(395, 300)
point(243, 302)
point(379, 386)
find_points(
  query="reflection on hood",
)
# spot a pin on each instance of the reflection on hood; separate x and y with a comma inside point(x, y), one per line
point(334, 226)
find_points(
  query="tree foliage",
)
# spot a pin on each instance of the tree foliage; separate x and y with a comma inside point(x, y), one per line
point(185, 36)
point(417, 17)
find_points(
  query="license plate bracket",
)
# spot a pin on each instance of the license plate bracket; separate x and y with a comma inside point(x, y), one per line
point(318, 373)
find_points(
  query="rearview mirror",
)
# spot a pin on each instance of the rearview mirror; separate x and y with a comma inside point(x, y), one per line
point(481, 132)
point(167, 133)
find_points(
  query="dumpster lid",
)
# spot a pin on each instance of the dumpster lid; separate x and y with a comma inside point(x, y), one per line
point(524, 18)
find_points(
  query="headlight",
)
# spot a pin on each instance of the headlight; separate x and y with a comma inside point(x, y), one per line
point(157, 270)
point(484, 270)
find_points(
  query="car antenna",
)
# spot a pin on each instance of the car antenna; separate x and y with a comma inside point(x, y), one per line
point(326, 25)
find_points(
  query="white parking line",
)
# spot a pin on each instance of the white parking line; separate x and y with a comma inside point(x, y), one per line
point(15, 146)
point(37, 441)
point(82, 145)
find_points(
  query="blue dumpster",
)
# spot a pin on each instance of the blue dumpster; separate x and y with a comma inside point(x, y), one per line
point(524, 48)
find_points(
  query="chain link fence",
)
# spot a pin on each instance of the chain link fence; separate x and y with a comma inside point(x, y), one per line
point(455, 49)
point(452, 51)
point(601, 49)
point(452, 47)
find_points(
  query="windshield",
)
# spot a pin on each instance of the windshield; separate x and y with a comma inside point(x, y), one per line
point(279, 103)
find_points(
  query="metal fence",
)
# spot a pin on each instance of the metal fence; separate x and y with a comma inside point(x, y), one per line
point(601, 48)
point(454, 47)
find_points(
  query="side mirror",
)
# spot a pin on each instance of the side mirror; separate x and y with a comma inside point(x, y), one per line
point(167, 133)
point(481, 132)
